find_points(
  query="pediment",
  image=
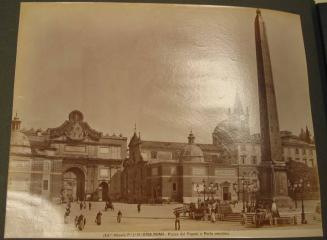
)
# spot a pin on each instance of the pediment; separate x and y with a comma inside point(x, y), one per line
point(75, 129)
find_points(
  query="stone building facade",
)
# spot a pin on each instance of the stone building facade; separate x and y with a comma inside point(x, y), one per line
point(178, 172)
point(20, 164)
point(72, 161)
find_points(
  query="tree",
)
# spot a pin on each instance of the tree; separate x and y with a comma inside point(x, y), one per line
point(307, 135)
point(298, 170)
point(302, 135)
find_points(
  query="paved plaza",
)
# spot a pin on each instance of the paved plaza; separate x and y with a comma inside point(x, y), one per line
point(47, 220)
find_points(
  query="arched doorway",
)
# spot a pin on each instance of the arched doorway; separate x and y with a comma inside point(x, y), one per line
point(74, 184)
point(226, 191)
point(105, 191)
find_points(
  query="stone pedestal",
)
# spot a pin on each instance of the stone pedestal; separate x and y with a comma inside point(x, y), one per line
point(273, 185)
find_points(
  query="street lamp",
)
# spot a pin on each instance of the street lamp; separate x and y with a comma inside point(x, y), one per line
point(243, 182)
point(300, 187)
point(236, 187)
point(197, 189)
point(211, 190)
point(253, 188)
point(204, 190)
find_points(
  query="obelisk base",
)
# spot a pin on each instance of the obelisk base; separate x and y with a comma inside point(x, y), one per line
point(273, 185)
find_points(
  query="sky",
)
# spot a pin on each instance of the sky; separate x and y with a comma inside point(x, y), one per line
point(166, 68)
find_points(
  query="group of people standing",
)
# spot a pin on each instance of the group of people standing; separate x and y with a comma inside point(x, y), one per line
point(80, 220)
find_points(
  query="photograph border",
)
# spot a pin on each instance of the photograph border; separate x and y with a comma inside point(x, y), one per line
point(9, 12)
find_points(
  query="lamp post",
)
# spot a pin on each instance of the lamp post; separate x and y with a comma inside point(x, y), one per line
point(213, 188)
point(197, 187)
point(243, 182)
point(238, 180)
point(253, 188)
point(204, 190)
point(294, 189)
point(300, 187)
point(236, 189)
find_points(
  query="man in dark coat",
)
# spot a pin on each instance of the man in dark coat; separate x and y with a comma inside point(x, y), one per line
point(139, 207)
point(98, 218)
point(81, 221)
point(119, 216)
point(90, 206)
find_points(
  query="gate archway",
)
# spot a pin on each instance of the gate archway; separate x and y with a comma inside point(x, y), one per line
point(74, 183)
point(105, 191)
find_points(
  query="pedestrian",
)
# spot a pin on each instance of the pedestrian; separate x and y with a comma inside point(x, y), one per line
point(274, 209)
point(177, 221)
point(213, 215)
point(80, 222)
point(274, 212)
point(98, 218)
point(84, 205)
point(90, 205)
point(68, 210)
point(119, 216)
point(139, 207)
point(81, 206)
point(66, 215)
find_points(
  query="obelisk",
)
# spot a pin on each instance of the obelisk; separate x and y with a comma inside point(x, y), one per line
point(272, 170)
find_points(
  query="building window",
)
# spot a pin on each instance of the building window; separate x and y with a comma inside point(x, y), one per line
point(174, 187)
point(254, 160)
point(243, 157)
point(296, 151)
point(290, 159)
point(311, 152)
point(45, 185)
point(154, 155)
point(303, 151)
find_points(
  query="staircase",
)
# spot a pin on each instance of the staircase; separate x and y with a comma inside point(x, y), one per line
point(233, 217)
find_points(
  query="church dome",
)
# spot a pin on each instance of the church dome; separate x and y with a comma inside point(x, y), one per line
point(222, 126)
point(192, 152)
point(19, 142)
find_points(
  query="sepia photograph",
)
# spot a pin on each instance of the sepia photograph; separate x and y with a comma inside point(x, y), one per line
point(148, 120)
